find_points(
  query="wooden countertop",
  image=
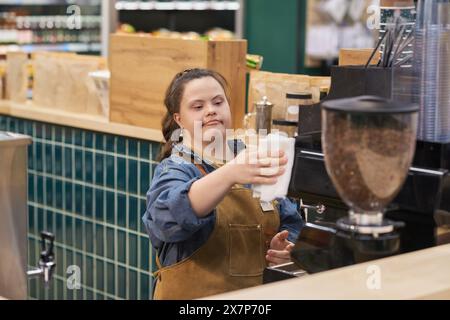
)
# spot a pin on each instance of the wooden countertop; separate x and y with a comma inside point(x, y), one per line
point(418, 275)
point(95, 123)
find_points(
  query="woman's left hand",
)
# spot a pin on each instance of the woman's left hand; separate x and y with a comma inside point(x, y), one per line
point(280, 249)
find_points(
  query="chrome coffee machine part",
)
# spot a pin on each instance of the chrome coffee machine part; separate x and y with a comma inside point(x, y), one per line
point(319, 208)
point(366, 218)
point(47, 263)
point(366, 223)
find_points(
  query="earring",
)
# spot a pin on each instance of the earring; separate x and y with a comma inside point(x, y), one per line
point(181, 134)
point(180, 139)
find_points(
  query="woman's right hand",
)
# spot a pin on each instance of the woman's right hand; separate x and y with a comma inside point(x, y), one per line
point(248, 167)
point(253, 167)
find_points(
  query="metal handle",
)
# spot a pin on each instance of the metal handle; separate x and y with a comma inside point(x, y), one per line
point(319, 208)
point(47, 257)
point(47, 254)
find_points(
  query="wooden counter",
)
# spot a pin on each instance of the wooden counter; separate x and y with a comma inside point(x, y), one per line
point(94, 123)
point(417, 275)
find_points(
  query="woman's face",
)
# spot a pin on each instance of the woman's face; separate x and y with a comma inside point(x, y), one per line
point(204, 110)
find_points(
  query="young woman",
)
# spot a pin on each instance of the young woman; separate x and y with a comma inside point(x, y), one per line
point(210, 234)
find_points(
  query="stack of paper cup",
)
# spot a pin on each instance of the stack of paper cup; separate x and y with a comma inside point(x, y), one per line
point(274, 143)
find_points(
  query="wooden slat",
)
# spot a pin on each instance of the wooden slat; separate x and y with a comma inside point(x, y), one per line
point(16, 76)
point(397, 3)
point(357, 57)
point(229, 59)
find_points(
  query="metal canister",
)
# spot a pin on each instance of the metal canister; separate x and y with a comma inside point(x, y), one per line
point(13, 216)
point(264, 115)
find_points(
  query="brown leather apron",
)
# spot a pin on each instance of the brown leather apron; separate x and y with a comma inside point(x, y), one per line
point(232, 258)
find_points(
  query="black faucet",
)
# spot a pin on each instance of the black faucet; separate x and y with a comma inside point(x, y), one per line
point(47, 259)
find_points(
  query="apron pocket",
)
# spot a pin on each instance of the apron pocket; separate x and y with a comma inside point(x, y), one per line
point(246, 257)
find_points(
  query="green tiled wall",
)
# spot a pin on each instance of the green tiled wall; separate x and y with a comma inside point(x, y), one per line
point(89, 189)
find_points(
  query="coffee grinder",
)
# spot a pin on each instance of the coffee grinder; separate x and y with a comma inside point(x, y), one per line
point(368, 144)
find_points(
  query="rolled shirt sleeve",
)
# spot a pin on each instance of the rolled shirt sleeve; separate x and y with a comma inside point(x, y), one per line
point(169, 216)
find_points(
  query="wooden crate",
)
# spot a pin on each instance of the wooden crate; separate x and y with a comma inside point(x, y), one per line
point(17, 76)
point(356, 57)
point(142, 68)
point(61, 81)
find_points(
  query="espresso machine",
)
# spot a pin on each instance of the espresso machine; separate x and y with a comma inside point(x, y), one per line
point(368, 197)
point(416, 217)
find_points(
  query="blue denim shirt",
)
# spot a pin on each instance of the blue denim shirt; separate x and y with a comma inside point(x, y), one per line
point(175, 230)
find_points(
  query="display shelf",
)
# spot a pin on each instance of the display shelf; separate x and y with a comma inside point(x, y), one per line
point(48, 2)
point(45, 25)
point(70, 47)
point(182, 16)
point(178, 5)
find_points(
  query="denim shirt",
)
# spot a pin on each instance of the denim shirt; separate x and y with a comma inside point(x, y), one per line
point(174, 229)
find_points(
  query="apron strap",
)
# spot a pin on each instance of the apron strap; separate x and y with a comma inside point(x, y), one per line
point(201, 168)
point(157, 273)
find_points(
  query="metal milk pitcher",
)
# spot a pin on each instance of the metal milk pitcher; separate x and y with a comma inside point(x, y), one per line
point(263, 116)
